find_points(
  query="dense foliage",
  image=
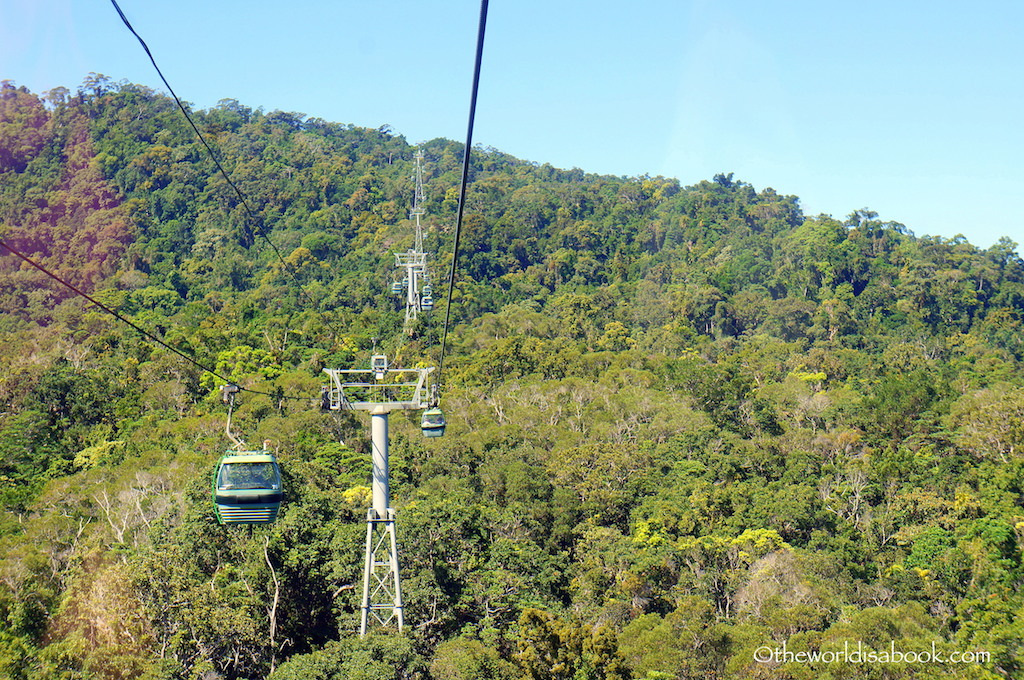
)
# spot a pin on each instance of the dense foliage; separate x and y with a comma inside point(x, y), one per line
point(686, 424)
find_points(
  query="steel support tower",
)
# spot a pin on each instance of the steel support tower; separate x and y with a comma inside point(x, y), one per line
point(414, 261)
point(415, 264)
point(379, 391)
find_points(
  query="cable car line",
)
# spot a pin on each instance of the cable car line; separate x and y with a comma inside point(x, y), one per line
point(465, 180)
point(129, 322)
point(253, 218)
point(256, 222)
point(110, 311)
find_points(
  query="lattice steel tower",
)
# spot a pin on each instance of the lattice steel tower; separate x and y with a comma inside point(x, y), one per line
point(416, 283)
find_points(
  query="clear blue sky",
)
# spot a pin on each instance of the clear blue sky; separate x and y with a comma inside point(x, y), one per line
point(914, 109)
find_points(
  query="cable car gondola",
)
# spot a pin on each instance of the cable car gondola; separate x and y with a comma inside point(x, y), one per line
point(426, 303)
point(433, 423)
point(247, 488)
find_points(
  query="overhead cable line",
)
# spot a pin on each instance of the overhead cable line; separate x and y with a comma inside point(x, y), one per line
point(253, 218)
point(139, 329)
point(465, 181)
point(110, 311)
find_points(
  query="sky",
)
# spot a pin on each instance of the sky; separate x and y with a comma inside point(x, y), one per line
point(911, 108)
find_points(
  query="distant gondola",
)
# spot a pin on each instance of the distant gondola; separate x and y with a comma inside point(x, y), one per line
point(426, 303)
point(433, 422)
point(247, 488)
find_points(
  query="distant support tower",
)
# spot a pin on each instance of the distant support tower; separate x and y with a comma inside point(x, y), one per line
point(379, 390)
point(417, 200)
point(416, 281)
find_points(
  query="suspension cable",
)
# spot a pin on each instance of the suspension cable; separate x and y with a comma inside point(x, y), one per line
point(253, 218)
point(110, 311)
point(465, 180)
point(78, 291)
point(462, 189)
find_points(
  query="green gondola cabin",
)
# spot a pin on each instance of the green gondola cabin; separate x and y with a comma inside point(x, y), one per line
point(247, 488)
point(433, 423)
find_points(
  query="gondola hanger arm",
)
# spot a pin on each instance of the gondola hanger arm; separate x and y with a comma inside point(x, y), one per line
point(227, 394)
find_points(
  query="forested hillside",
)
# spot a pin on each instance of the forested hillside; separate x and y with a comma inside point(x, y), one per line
point(686, 424)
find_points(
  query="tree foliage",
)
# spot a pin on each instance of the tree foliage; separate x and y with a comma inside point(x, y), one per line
point(684, 422)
